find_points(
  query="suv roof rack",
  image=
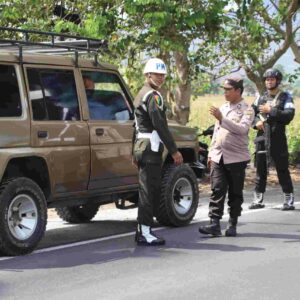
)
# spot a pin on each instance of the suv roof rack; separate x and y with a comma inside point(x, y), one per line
point(58, 44)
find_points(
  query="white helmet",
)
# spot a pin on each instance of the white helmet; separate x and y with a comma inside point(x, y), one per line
point(155, 65)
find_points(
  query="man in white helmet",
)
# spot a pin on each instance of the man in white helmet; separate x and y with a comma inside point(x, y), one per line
point(150, 137)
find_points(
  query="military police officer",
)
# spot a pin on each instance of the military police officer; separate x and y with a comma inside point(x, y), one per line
point(228, 157)
point(273, 110)
point(150, 137)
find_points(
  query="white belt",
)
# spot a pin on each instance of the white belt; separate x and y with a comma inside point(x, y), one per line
point(154, 139)
point(144, 135)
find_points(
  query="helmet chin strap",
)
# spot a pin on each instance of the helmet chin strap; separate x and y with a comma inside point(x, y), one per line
point(154, 83)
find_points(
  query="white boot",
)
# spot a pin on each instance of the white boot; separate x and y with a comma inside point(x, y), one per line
point(144, 236)
point(257, 202)
point(288, 203)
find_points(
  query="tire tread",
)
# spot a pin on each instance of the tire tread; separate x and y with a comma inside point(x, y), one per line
point(166, 215)
point(10, 246)
point(76, 214)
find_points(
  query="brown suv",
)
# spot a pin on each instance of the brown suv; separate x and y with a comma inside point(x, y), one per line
point(68, 147)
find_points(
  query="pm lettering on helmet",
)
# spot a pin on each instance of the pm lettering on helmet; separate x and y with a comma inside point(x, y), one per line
point(161, 66)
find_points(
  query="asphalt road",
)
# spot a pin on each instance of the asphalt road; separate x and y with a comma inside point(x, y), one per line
point(100, 260)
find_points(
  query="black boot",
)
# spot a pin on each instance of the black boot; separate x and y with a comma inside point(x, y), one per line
point(213, 228)
point(145, 237)
point(231, 227)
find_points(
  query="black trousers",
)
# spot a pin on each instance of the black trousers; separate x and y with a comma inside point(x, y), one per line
point(281, 161)
point(150, 166)
point(227, 178)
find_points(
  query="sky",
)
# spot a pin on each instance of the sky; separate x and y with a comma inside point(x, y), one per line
point(287, 60)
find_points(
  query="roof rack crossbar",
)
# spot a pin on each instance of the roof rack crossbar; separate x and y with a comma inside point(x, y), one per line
point(75, 44)
point(45, 33)
point(43, 44)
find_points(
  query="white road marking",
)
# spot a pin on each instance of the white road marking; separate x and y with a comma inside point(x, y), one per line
point(112, 237)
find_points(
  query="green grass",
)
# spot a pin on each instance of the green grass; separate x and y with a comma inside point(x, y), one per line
point(201, 119)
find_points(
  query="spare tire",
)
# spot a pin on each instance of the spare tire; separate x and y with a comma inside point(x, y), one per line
point(78, 214)
point(179, 196)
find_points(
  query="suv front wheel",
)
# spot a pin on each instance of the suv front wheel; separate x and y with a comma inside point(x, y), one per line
point(179, 196)
point(23, 216)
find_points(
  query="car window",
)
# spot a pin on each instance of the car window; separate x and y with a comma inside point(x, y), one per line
point(10, 102)
point(105, 96)
point(53, 94)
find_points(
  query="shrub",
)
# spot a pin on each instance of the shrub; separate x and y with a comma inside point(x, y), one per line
point(201, 119)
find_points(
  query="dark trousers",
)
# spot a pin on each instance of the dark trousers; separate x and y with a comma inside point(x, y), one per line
point(282, 168)
point(229, 177)
point(150, 165)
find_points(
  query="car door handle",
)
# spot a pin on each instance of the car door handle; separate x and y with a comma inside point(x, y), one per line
point(99, 131)
point(42, 134)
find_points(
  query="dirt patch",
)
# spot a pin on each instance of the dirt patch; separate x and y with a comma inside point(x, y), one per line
point(204, 186)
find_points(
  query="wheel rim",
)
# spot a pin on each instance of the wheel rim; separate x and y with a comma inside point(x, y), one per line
point(22, 217)
point(182, 195)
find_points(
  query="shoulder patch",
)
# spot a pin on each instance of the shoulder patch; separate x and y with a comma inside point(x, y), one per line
point(157, 99)
point(288, 105)
point(288, 101)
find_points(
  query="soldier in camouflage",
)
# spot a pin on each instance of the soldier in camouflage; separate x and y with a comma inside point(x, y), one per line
point(275, 109)
point(150, 136)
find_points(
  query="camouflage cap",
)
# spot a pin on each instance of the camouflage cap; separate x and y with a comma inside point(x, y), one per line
point(233, 81)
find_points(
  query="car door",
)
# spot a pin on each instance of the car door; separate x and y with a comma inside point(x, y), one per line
point(58, 130)
point(111, 128)
point(14, 120)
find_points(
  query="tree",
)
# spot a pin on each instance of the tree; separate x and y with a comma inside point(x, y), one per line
point(259, 34)
point(18, 13)
point(174, 31)
point(195, 38)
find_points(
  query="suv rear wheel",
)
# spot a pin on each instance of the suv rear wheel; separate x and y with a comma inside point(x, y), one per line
point(23, 216)
point(78, 214)
point(180, 196)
